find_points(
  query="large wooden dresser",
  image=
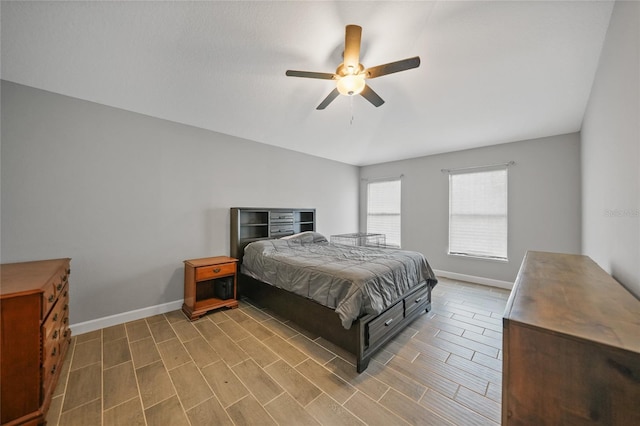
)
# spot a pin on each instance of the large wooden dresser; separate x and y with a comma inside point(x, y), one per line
point(34, 337)
point(571, 345)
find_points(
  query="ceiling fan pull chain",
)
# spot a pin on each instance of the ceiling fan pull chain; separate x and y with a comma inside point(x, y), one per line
point(351, 108)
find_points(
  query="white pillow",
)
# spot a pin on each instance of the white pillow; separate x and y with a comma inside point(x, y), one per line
point(306, 237)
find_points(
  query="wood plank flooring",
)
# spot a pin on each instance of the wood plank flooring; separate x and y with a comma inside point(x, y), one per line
point(248, 367)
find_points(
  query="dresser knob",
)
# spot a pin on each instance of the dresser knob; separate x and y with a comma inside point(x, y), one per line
point(216, 270)
point(54, 351)
point(55, 316)
point(53, 370)
point(51, 298)
point(59, 287)
point(55, 334)
point(66, 306)
point(66, 332)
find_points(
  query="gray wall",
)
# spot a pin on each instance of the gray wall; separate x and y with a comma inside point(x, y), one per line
point(544, 202)
point(129, 197)
point(611, 153)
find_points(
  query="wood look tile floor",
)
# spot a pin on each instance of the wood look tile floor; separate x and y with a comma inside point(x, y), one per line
point(247, 367)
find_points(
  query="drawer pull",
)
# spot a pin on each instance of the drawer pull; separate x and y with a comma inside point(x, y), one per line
point(66, 306)
point(216, 270)
point(386, 324)
point(65, 320)
point(66, 332)
point(54, 351)
point(419, 299)
point(65, 293)
point(55, 316)
point(55, 334)
point(59, 287)
point(53, 370)
point(51, 298)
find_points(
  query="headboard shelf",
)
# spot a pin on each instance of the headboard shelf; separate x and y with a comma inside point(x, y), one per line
point(250, 224)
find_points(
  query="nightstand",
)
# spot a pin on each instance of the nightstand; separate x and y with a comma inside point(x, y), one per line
point(209, 283)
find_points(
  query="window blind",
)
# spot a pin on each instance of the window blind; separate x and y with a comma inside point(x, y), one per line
point(383, 210)
point(478, 213)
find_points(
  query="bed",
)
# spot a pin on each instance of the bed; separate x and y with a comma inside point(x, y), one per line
point(358, 298)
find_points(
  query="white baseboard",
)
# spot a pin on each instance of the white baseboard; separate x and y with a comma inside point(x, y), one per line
point(472, 279)
point(97, 324)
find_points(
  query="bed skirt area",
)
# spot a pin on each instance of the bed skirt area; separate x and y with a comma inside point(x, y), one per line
point(365, 336)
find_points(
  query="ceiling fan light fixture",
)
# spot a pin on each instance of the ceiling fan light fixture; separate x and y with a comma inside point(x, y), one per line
point(351, 84)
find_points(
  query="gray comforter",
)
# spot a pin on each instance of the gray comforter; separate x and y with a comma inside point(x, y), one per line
point(351, 280)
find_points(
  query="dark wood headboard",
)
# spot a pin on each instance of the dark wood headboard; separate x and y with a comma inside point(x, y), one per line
point(250, 224)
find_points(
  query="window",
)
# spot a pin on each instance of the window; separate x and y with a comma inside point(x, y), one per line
point(383, 210)
point(478, 213)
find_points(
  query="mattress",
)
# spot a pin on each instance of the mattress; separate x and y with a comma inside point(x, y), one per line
point(351, 280)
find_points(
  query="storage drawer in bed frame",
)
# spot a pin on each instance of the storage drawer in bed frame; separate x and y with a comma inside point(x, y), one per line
point(416, 301)
point(365, 337)
point(380, 326)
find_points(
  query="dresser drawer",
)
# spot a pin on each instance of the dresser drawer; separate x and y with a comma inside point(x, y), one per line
point(214, 271)
point(51, 369)
point(51, 326)
point(53, 288)
point(416, 301)
point(48, 298)
point(377, 328)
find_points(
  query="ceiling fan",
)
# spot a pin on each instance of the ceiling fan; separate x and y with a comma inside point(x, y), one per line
point(350, 75)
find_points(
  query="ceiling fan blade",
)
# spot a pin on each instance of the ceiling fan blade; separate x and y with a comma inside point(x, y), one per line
point(334, 94)
point(353, 34)
point(310, 74)
point(371, 96)
point(391, 67)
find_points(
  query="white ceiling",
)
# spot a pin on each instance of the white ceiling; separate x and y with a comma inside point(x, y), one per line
point(491, 72)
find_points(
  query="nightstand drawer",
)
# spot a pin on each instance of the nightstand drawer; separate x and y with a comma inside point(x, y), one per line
point(214, 271)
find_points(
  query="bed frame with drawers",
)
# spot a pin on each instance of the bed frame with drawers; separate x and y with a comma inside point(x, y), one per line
point(365, 336)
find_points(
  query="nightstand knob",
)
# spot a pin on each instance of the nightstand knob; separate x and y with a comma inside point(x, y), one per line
point(216, 270)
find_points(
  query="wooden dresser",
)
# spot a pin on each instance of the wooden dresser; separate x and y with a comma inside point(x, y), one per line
point(34, 337)
point(571, 345)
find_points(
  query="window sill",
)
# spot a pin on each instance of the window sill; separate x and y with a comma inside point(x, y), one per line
point(490, 259)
